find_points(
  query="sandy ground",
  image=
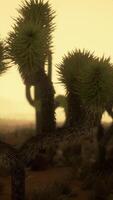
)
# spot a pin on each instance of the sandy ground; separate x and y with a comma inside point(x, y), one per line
point(44, 178)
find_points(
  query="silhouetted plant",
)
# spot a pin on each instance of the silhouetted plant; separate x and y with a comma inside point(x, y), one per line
point(29, 46)
point(55, 191)
point(3, 67)
point(88, 82)
point(95, 87)
point(69, 71)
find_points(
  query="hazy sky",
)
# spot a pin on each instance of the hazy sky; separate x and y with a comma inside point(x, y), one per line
point(79, 24)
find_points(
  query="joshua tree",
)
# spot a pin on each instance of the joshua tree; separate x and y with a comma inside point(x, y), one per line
point(69, 71)
point(88, 81)
point(3, 67)
point(95, 87)
point(29, 46)
point(97, 94)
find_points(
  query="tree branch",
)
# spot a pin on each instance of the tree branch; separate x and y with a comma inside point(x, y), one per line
point(28, 95)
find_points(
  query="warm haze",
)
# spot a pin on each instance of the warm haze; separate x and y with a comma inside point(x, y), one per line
point(79, 24)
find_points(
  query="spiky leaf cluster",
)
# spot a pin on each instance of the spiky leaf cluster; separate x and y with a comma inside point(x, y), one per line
point(88, 77)
point(26, 48)
point(38, 12)
point(31, 39)
point(70, 68)
point(2, 58)
point(96, 87)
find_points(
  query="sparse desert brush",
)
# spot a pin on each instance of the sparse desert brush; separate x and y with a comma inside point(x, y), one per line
point(89, 150)
point(71, 153)
point(57, 191)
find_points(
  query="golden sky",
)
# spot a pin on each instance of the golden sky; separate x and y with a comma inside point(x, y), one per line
point(79, 24)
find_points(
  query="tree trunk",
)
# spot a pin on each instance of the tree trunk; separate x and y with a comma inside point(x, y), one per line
point(46, 93)
point(50, 65)
point(38, 115)
point(76, 113)
point(18, 183)
point(109, 109)
point(35, 103)
point(43, 101)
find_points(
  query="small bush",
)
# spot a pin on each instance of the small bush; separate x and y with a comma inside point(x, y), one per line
point(72, 153)
point(57, 191)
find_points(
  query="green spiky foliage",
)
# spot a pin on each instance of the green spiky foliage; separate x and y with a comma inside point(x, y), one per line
point(37, 11)
point(72, 65)
point(2, 58)
point(95, 88)
point(42, 15)
point(88, 81)
point(29, 44)
point(69, 71)
point(28, 49)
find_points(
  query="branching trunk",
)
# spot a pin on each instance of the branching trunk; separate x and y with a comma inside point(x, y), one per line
point(43, 103)
point(38, 115)
point(28, 95)
point(43, 100)
point(35, 103)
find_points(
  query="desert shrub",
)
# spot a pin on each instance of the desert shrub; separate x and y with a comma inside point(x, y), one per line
point(57, 191)
point(71, 152)
point(41, 162)
point(44, 158)
point(89, 150)
point(44, 194)
point(50, 152)
point(100, 190)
